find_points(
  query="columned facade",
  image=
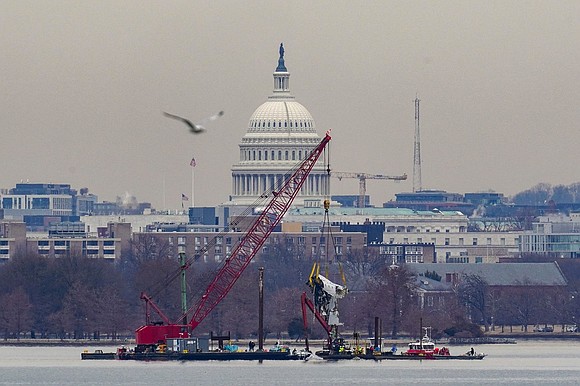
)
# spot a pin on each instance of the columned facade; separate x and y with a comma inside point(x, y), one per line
point(281, 133)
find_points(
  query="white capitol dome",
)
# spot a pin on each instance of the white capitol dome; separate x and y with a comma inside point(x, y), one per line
point(281, 117)
point(281, 132)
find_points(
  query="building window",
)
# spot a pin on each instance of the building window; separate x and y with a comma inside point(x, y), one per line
point(489, 241)
point(475, 241)
point(447, 241)
point(461, 241)
point(7, 203)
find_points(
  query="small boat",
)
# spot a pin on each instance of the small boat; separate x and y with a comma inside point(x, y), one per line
point(97, 354)
point(424, 348)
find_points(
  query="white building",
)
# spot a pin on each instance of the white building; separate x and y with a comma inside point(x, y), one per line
point(446, 230)
point(557, 235)
point(281, 133)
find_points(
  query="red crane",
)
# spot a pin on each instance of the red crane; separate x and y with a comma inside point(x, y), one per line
point(234, 266)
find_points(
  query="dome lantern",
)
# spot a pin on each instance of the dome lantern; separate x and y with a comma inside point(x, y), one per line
point(281, 75)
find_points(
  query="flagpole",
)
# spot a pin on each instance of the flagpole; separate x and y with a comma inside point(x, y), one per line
point(192, 188)
point(164, 206)
point(192, 164)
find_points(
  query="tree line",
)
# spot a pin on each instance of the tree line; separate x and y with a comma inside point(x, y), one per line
point(82, 298)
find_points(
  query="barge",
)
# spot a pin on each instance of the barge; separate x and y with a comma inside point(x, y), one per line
point(196, 349)
point(197, 356)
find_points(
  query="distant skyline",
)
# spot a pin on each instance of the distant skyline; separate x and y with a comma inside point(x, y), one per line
point(84, 85)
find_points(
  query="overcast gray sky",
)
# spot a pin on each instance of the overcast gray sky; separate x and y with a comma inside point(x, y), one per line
point(83, 85)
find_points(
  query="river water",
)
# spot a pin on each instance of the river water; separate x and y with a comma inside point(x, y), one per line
point(524, 363)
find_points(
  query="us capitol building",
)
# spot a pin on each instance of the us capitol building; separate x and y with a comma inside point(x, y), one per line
point(281, 133)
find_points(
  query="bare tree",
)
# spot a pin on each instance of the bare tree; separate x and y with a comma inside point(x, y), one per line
point(280, 308)
point(363, 262)
point(392, 296)
point(15, 312)
point(519, 306)
point(473, 292)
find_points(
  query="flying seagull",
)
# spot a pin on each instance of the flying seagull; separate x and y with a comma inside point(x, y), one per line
point(195, 128)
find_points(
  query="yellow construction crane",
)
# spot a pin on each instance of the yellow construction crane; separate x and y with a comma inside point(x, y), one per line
point(362, 180)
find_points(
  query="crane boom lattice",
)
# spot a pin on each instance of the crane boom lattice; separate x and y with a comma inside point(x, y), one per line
point(255, 238)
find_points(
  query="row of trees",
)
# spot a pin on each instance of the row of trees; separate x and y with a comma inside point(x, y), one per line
point(543, 193)
point(73, 297)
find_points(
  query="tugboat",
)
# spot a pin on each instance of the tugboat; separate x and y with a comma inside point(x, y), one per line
point(424, 348)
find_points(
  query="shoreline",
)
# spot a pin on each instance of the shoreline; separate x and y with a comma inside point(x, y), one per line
point(243, 342)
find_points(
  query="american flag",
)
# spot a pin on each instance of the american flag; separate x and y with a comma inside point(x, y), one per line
point(192, 163)
point(184, 197)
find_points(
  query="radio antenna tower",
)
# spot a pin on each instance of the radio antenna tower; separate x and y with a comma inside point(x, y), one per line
point(417, 151)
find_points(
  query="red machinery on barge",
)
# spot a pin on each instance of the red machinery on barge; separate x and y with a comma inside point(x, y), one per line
point(173, 340)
